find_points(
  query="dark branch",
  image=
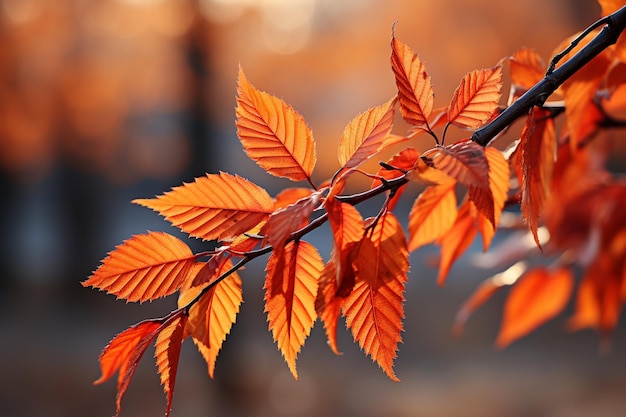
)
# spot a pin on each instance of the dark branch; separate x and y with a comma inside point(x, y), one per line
point(538, 94)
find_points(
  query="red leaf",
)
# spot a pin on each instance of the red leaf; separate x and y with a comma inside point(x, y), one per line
point(432, 215)
point(538, 148)
point(287, 220)
point(537, 296)
point(218, 206)
point(374, 309)
point(365, 135)
point(476, 98)
point(167, 353)
point(144, 267)
point(273, 134)
point(415, 91)
point(124, 352)
point(290, 291)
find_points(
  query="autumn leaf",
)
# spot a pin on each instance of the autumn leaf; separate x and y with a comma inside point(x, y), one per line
point(365, 135)
point(273, 134)
point(432, 215)
point(167, 353)
point(328, 304)
point(290, 292)
point(287, 220)
point(291, 195)
point(374, 309)
point(123, 354)
point(415, 92)
point(212, 317)
point(499, 174)
point(348, 228)
point(217, 206)
point(476, 98)
point(526, 68)
point(404, 162)
point(456, 241)
point(144, 267)
point(538, 151)
point(465, 161)
point(536, 297)
point(485, 291)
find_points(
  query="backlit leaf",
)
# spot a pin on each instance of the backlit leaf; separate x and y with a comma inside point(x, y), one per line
point(466, 162)
point(526, 68)
point(499, 174)
point(287, 220)
point(538, 148)
point(144, 267)
point(212, 317)
point(476, 98)
point(365, 135)
point(290, 292)
point(404, 161)
point(374, 310)
point(456, 241)
point(273, 134)
point(347, 226)
point(432, 215)
point(328, 304)
point(217, 206)
point(536, 297)
point(123, 354)
point(415, 92)
point(167, 353)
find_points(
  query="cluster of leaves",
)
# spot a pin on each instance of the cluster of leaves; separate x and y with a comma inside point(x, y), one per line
point(562, 188)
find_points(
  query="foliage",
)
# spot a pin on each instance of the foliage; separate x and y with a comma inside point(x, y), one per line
point(557, 176)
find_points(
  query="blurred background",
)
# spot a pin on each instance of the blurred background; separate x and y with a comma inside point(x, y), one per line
point(105, 101)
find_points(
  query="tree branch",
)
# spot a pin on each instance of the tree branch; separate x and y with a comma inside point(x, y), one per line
point(539, 93)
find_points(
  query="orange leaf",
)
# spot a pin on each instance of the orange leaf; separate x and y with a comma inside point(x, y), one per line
point(273, 134)
point(290, 195)
point(456, 240)
point(167, 353)
point(212, 317)
point(538, 148)
point(374, 309)
point(432, 215)
point(485, 291)
point(536, 297)
point(526, 68)
point(328, 304)
point(499, 174)
point(287, 220)
point(365, 135)
point(218, 206)
point(476, 98)
point(405, 160)
point(124, 352)
point(144, 267)
point(348, 228)
point(466, 162)
point(290, 291)
point(415, 91)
